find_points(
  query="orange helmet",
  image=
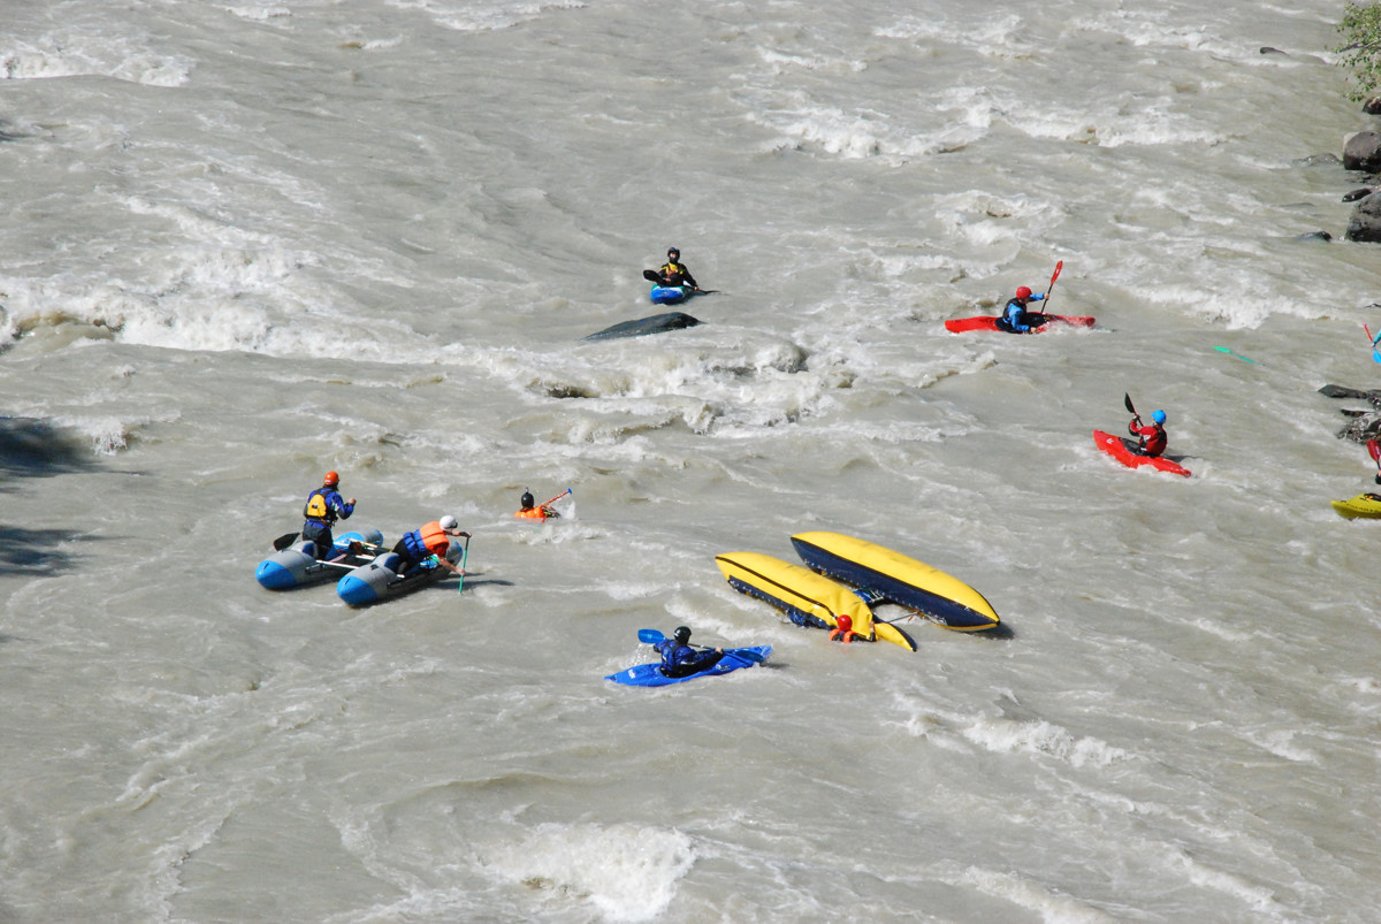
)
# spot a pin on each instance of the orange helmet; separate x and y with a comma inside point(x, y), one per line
point(331, 480)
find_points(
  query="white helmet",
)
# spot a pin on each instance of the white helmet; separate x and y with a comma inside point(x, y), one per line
point(448, 522)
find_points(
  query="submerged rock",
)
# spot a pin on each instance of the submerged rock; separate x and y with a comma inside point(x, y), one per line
point(1359, 193)
point(1319, 160)
point(656, 324)
point(1314, 236)
point(1361, 428)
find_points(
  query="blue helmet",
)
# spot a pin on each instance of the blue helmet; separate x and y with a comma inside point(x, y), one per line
point(1158, 416)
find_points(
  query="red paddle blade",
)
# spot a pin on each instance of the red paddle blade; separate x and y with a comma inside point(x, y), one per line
point(1374, 450)
point(1055, 275)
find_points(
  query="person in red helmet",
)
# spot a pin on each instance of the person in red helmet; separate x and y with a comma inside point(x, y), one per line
point(324, 506)
point(843, 630)
point(1015, 318)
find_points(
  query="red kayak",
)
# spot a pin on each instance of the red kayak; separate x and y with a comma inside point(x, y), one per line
point(989, 322)
point(1124, 451)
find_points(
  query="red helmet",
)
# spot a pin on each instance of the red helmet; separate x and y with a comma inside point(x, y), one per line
point(846, 623)
point(1023, 292)
point(331, 480)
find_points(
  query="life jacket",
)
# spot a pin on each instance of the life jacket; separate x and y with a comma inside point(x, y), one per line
point(843, 630)
point(1153, 438)
point(673, 272)
point(430, 539)
point(317, 507)
point(674, 657)
point(1013, 316)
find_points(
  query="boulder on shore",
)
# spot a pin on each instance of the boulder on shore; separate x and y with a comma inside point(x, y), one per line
point(1365, 223)
point(1363, 152)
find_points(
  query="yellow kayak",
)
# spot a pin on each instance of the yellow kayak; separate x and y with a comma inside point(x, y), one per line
point(1363, 505)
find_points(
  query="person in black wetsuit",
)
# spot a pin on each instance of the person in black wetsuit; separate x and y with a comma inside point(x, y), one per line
point(674, 272)
point(679, 659)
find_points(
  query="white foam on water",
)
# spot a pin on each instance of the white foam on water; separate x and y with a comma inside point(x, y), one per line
point(490, 15)
point(1046, 903)
point(250, 241)
point(623, 872)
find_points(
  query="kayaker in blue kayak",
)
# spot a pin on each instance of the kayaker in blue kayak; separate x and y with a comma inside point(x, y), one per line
point(324, 506)
point(674, 273)
point(1152, 439)
point(679, 659)
point(428, 542)
point(1015, 318)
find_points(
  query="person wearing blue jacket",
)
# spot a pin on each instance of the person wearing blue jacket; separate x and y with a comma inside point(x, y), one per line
point(1016, 319)
point(679, 659)
point(324, 506)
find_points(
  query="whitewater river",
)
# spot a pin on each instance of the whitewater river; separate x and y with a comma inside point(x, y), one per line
point(247, 241)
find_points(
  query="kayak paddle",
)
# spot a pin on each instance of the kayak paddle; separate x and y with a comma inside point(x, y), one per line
point(464, 559)
point(283, 541)
point(1045, 307)
point(558, 497)
point(1127, 400)
point(1235, 355)
point(1375, 353)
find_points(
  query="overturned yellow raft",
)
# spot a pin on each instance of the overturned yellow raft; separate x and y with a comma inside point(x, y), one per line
point(806, 597)
point(892, 577)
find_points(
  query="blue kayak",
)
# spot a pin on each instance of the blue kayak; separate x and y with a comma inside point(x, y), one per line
point(669, 295)
point(650, 675)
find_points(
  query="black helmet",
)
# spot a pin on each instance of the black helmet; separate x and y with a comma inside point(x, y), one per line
point(527, 500)
point(673, 251)
point(682, 634)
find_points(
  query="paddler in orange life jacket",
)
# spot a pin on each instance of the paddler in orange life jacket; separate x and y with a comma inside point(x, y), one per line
point(1151, 439)
point(429, 541)
point(843, 630)
point(324, 506)
point(529, 509)
point(674, 272)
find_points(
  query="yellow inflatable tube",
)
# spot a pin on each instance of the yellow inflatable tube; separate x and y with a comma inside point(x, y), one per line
point(897, 578)
point(804, 595)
